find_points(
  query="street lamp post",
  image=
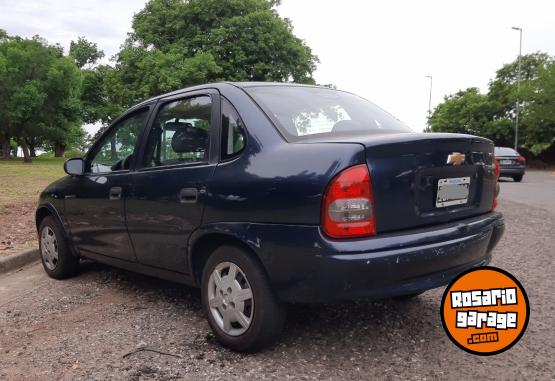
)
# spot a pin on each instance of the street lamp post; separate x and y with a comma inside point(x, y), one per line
point(518, 86)
point(430, 99)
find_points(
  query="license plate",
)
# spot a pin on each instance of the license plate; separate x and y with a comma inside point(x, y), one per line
point(452, 191)
point(505, 161)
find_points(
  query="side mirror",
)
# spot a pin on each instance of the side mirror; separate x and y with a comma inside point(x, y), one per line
point(74, 167)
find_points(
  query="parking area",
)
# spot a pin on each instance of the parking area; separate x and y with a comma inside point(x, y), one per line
point(112, 324)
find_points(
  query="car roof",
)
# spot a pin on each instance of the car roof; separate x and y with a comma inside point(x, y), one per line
point(219, 86)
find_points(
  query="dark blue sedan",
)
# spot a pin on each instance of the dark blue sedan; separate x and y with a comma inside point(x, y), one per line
point(262, 194)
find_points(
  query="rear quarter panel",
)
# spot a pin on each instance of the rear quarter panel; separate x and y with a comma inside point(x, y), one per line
point(273, 181)
point(282, 183)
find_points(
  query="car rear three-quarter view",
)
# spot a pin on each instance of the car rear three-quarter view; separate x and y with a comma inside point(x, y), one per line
point(263, 194)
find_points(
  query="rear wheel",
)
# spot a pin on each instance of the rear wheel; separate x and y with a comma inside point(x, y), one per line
point(518, 178)
point(240, 305)
point(57, 260)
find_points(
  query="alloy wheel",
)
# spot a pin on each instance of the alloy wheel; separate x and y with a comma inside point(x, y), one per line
point(230, 299)
point(49, 248)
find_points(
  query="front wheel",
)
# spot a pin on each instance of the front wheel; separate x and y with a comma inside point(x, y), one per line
point(57, 260)
point(240, 305)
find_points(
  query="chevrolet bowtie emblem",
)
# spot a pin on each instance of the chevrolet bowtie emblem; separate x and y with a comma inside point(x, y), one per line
point(456, 158)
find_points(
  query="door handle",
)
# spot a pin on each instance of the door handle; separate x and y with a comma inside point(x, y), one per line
point(115, 193)
point(188, 195)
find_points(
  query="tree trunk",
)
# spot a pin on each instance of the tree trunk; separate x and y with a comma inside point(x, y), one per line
point(32, 146)
point(113, 151)
point(5, 148)
point(59, 150)
point(25, 148)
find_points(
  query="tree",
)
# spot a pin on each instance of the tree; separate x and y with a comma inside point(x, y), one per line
point(40, 95)
point(465, 112)
point(84, 52)
point(61, 112)
point(176, 43)
point(538, 117)
point(493, 115)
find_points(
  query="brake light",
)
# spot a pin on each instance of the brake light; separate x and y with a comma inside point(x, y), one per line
point(521, 160)
point(497, 171)
point(348, 207)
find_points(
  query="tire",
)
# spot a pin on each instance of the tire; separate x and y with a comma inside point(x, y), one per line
point(55, 254)
point(263, 315)
point(408, 296)
point(518, 178)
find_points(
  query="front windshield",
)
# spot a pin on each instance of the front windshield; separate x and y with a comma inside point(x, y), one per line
point(301, 112)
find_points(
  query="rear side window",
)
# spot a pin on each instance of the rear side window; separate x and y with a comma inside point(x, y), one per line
point(233, 132)
point(180, 133)
point(302, 112)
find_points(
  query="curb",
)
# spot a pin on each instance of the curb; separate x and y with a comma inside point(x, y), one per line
point(12, 262)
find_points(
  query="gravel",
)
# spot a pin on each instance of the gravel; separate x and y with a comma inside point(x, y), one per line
point(110, 324)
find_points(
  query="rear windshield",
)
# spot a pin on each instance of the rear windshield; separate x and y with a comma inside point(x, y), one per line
point(303, 112)
point(505, 151)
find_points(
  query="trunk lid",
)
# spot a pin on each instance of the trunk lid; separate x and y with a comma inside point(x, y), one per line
point(408, 168)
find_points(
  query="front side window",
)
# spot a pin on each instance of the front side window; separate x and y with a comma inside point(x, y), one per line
point(233, 133)
point(115, 150)
point(180, 133)
point(301, 112)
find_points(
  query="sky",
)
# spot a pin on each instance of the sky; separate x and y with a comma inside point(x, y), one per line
point(380, 49)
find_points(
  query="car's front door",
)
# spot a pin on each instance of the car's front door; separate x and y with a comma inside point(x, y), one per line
point(95, 202)
point(168, 189)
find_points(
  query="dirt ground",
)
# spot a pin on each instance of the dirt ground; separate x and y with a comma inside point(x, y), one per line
point(109, 324)
point(20, 186)
point(17, 228)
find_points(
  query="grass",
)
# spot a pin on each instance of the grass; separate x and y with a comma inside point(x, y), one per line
point(23, 182)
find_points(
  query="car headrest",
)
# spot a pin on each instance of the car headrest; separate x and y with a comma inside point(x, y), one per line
point(189, 139)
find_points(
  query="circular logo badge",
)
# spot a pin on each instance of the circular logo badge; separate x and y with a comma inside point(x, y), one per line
point(485, 311)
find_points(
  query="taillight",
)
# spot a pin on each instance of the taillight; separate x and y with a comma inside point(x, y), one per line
point(497, 171)
point(348, 208)
point(521, 160)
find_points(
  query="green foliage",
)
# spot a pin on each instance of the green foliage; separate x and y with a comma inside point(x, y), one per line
point(492, 115)
point(143, 73)
point(538, 116)
point(178, 43)
point(46, 96)
point(464, 112)
point(40, 95)
point(84, 52)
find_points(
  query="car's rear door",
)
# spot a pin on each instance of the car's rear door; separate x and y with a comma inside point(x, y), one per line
point(177, 158)
point(95, 202)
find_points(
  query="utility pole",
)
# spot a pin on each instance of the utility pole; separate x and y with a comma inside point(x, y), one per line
point(518, 86)
point(429, 100)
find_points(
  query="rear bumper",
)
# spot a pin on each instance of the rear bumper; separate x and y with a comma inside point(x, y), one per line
point(317, 269)
point(511, 171)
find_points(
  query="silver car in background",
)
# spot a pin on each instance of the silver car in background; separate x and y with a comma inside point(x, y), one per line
point(511, 163)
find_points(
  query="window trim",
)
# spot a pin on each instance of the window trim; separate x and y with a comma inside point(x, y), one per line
point(215, 124)
point(96, 146)
point(237, 154)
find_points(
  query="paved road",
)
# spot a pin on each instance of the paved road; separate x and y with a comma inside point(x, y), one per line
point(88, 327)
point(536, 189)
